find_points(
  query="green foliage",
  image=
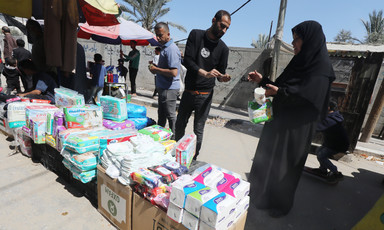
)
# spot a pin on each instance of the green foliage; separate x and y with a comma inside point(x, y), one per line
point(149, 12)
point(261, 43)
point(375, 28)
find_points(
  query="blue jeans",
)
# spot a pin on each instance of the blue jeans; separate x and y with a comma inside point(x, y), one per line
point(323, 154)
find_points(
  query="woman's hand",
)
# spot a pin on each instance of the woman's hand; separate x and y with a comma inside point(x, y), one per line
point(271, 90)
point(255, 76)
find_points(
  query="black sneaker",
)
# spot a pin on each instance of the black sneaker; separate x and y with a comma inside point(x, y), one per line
point(333, 177)
point(320, 172)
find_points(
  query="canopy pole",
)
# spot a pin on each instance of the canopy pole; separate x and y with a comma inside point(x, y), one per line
point(278, 39)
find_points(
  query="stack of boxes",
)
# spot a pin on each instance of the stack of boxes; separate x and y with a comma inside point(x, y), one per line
point(212, 200)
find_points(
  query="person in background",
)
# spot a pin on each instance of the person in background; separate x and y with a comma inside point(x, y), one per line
point(300, 100)
point(134, 58)
point(167, 76)
point(154, 61)
point(335, 141)
point(45, 86)
point(21, 54)
point(9, 43)
point(12, 75)
point(206, 59)
point(122, 69)
point(97, 73)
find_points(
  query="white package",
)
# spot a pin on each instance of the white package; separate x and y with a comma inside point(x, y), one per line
point(215, 211)
point(241, 207)
point(175, 213)
point(196, 199)
point(210, 177)
point(190, 221)
point(183, 186)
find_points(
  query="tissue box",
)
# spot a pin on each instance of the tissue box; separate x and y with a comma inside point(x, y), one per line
point(196, 199)
point(175, 213)
point(228, 223)
point(190, 221)
point(180, 190)
point(241, 207)
point(218, 209)
point(210, 177)
point(237, 188)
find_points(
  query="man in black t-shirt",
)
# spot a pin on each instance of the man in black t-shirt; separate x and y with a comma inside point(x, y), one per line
point(206, 58)
point(21, 54)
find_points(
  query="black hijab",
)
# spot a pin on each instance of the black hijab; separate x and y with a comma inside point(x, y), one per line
point(310, 72)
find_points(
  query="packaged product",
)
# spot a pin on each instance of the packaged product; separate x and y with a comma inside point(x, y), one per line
point(157, 132)
point(136, 111)
point(114, 109)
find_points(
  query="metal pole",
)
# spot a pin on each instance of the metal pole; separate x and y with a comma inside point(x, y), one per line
point(278, 39)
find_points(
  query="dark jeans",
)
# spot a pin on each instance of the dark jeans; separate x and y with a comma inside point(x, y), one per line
point(167, 108)
point(11, 87)
point(323, 154)
point(132, 79)
point(93, 93)
point(201, 104)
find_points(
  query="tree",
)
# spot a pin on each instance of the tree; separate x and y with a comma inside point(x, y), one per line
point(344, 36)
point(375, 28)
point(148, 12)
point(261, 43)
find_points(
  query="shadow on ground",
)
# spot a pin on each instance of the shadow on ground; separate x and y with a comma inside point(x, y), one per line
point(320, 206)
point(245, 127)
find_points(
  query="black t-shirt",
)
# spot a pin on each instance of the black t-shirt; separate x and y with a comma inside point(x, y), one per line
point(201, 52)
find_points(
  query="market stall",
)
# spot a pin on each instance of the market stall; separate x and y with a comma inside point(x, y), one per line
point(125, 164)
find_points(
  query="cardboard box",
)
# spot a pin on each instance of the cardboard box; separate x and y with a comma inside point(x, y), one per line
point(114, 200)
point(149, 217)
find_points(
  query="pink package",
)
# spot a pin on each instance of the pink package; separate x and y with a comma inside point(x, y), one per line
point(237, 188)
point(116, 125)
point(227, 179)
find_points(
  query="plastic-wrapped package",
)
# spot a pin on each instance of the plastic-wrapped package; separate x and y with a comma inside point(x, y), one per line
point(16, 114)
point(259, 113)
point(185, 149)
point(83, 176)
point(140, 123)
point(38, 113)
point(82, 142)
point(157, 132)
point(146, 177)
point(25, 142)
point(136, 111)
point(118, 125)
point(86, 116)
point(176, 168)
point(114, 108)
point(167, 175)
point(65, 97)
point(84, 162)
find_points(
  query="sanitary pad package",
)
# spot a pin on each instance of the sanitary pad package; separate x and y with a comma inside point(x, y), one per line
point(185, 149)
point(117, 125)
point(157, 132)
point(16, 114)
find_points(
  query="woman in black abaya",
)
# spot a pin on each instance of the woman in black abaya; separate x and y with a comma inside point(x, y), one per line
point(300, 99)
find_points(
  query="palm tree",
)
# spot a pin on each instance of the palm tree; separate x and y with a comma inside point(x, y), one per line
point(344, 36)
point(261, 43)
point(148, 12)
point(375, 28)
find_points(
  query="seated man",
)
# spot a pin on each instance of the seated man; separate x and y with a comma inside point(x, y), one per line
point(335, 141)
point(45, 84)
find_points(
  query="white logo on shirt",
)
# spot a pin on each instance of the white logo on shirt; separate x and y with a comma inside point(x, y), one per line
point(205, 52)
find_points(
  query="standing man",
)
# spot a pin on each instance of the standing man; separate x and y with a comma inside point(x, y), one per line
point(134, 58)
point(21, 54)
point(9, 42)
point(167, 76)
point(206, 58)
point(98, 73)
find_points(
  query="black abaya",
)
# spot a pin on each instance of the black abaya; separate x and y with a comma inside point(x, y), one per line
point(285, 141)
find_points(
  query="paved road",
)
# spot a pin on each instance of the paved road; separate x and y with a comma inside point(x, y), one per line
point(35, 198)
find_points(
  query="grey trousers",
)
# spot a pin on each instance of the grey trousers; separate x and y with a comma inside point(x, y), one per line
point(167, 108)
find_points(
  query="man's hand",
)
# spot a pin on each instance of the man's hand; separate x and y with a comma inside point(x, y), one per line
point(213, 73)
point(255, 76)
point(271, 90)
point(20, 94)
point(152, 68)
point(224, 78)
